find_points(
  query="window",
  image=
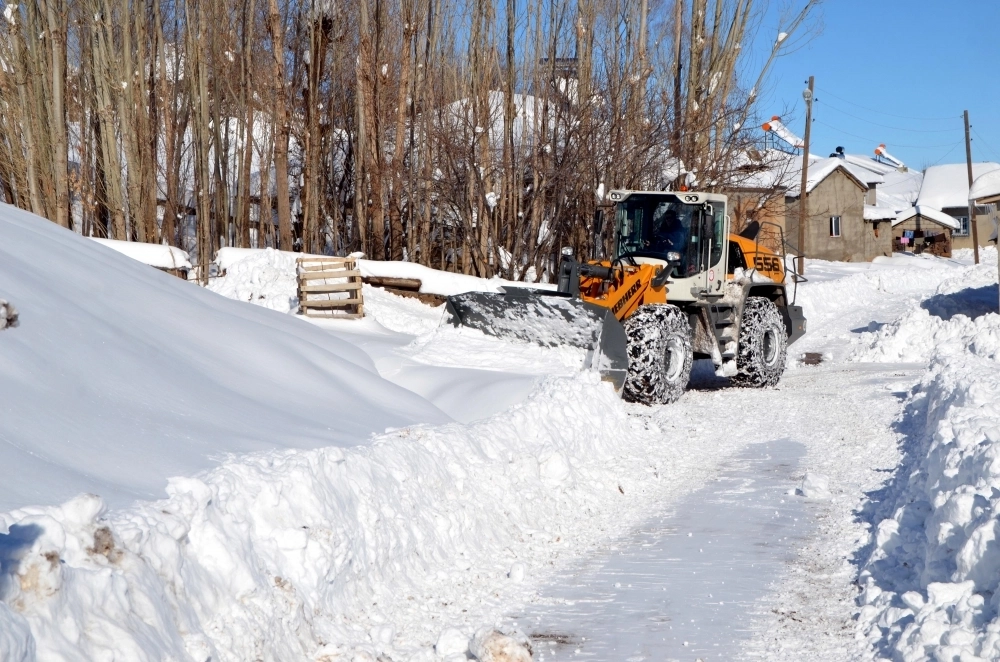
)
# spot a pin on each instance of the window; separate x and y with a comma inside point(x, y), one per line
point(963, 226)
point(834, 226)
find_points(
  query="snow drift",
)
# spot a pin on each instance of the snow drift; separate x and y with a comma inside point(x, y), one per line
point(327, 554)
point(961, 311)
point(931, 581)
point(932, 573)
point(118, 375)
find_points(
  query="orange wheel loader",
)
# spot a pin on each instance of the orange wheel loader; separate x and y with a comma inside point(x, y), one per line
point(678, 287)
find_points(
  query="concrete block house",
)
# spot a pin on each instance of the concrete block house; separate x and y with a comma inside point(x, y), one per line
point(844, 221)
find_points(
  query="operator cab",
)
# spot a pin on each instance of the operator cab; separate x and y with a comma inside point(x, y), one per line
point(685, 232)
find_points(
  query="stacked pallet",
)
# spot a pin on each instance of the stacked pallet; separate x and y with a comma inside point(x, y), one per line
point(330, 287)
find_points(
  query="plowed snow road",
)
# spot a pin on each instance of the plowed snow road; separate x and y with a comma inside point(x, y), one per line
point(739, 568)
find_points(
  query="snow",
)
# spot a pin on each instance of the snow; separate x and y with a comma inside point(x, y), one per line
point(266, 278)
point(929, 582)
point(432, 281)
point(879, 213)
point(985, 186)
point(155, 255)
point(947, 185)
point(884, 153)
point(820, 169)
point(929, 213)
point(396, 487)
point(781, 130)
point(103, 380)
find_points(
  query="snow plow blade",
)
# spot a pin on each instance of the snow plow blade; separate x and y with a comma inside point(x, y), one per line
point(550, 319)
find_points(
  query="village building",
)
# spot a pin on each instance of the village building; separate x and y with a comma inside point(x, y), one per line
point(922, 229)
point(844, 221)
point(985, 190)
point(852, 199)
point(945, 189)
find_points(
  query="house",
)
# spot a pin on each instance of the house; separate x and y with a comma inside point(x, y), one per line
point(924, 229)
point(985, 190)
point(844, 221)
point(756, 191)
point(945, 188)
point(852, 199)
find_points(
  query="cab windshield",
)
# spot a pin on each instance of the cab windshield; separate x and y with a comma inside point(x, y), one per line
point(654, 225)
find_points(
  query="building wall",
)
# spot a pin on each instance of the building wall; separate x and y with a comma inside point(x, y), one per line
point(839, 195)
point(984, 227)
point(761, 206)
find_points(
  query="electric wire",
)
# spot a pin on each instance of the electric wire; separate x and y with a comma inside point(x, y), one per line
point(983, 141)
point(894, 145)
point(882, 112)
point(883, 126)
point(945, 155)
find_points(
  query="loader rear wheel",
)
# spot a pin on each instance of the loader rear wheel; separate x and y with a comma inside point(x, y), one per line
point(763, 342)
point(659, 355)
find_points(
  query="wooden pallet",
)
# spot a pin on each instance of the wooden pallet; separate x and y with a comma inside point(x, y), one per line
point(330, 287)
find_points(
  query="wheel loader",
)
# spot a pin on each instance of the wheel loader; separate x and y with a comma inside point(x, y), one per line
point(677, 287)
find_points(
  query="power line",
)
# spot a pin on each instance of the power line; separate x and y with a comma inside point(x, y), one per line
point(872, 140)
point(884, 126)
point(983, 140)
point(943, 156)
point(882, 112)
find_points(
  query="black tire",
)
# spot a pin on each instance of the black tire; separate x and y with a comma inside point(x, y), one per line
point(763, 344)
point(659, 355)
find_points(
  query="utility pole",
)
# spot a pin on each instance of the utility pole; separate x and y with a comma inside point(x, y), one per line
point(972, 205)
point(803, 203)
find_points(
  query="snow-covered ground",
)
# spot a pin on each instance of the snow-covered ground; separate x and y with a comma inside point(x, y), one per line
point(189, 477)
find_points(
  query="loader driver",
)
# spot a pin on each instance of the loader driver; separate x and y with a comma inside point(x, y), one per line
point(669, 233)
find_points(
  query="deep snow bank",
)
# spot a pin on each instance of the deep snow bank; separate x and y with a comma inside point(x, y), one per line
point(842, 299)
point(118, 375)
point(958, 312)
point(265, 278)
point(328, 554)
point(931, 580)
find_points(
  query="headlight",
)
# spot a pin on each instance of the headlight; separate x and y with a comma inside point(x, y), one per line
point(673, 256)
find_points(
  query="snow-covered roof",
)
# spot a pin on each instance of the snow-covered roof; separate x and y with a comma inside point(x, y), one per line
point(155, 255)
point(765, 170)
point(879, 213)
point(985, 186)
point(929, 213)
point(948, 185)
point(821, 168)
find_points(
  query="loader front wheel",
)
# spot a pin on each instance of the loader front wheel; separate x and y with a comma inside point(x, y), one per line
point(659, 355)
point(763, 343)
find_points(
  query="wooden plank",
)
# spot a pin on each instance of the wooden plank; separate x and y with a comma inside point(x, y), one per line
point(352, 273)
point(325, 267)
point(334, 315)
point(331, 287)
point(412, 284)
point(329, 303)
point(302, 260)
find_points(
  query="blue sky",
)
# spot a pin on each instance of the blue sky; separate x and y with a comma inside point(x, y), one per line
point(899, 72)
